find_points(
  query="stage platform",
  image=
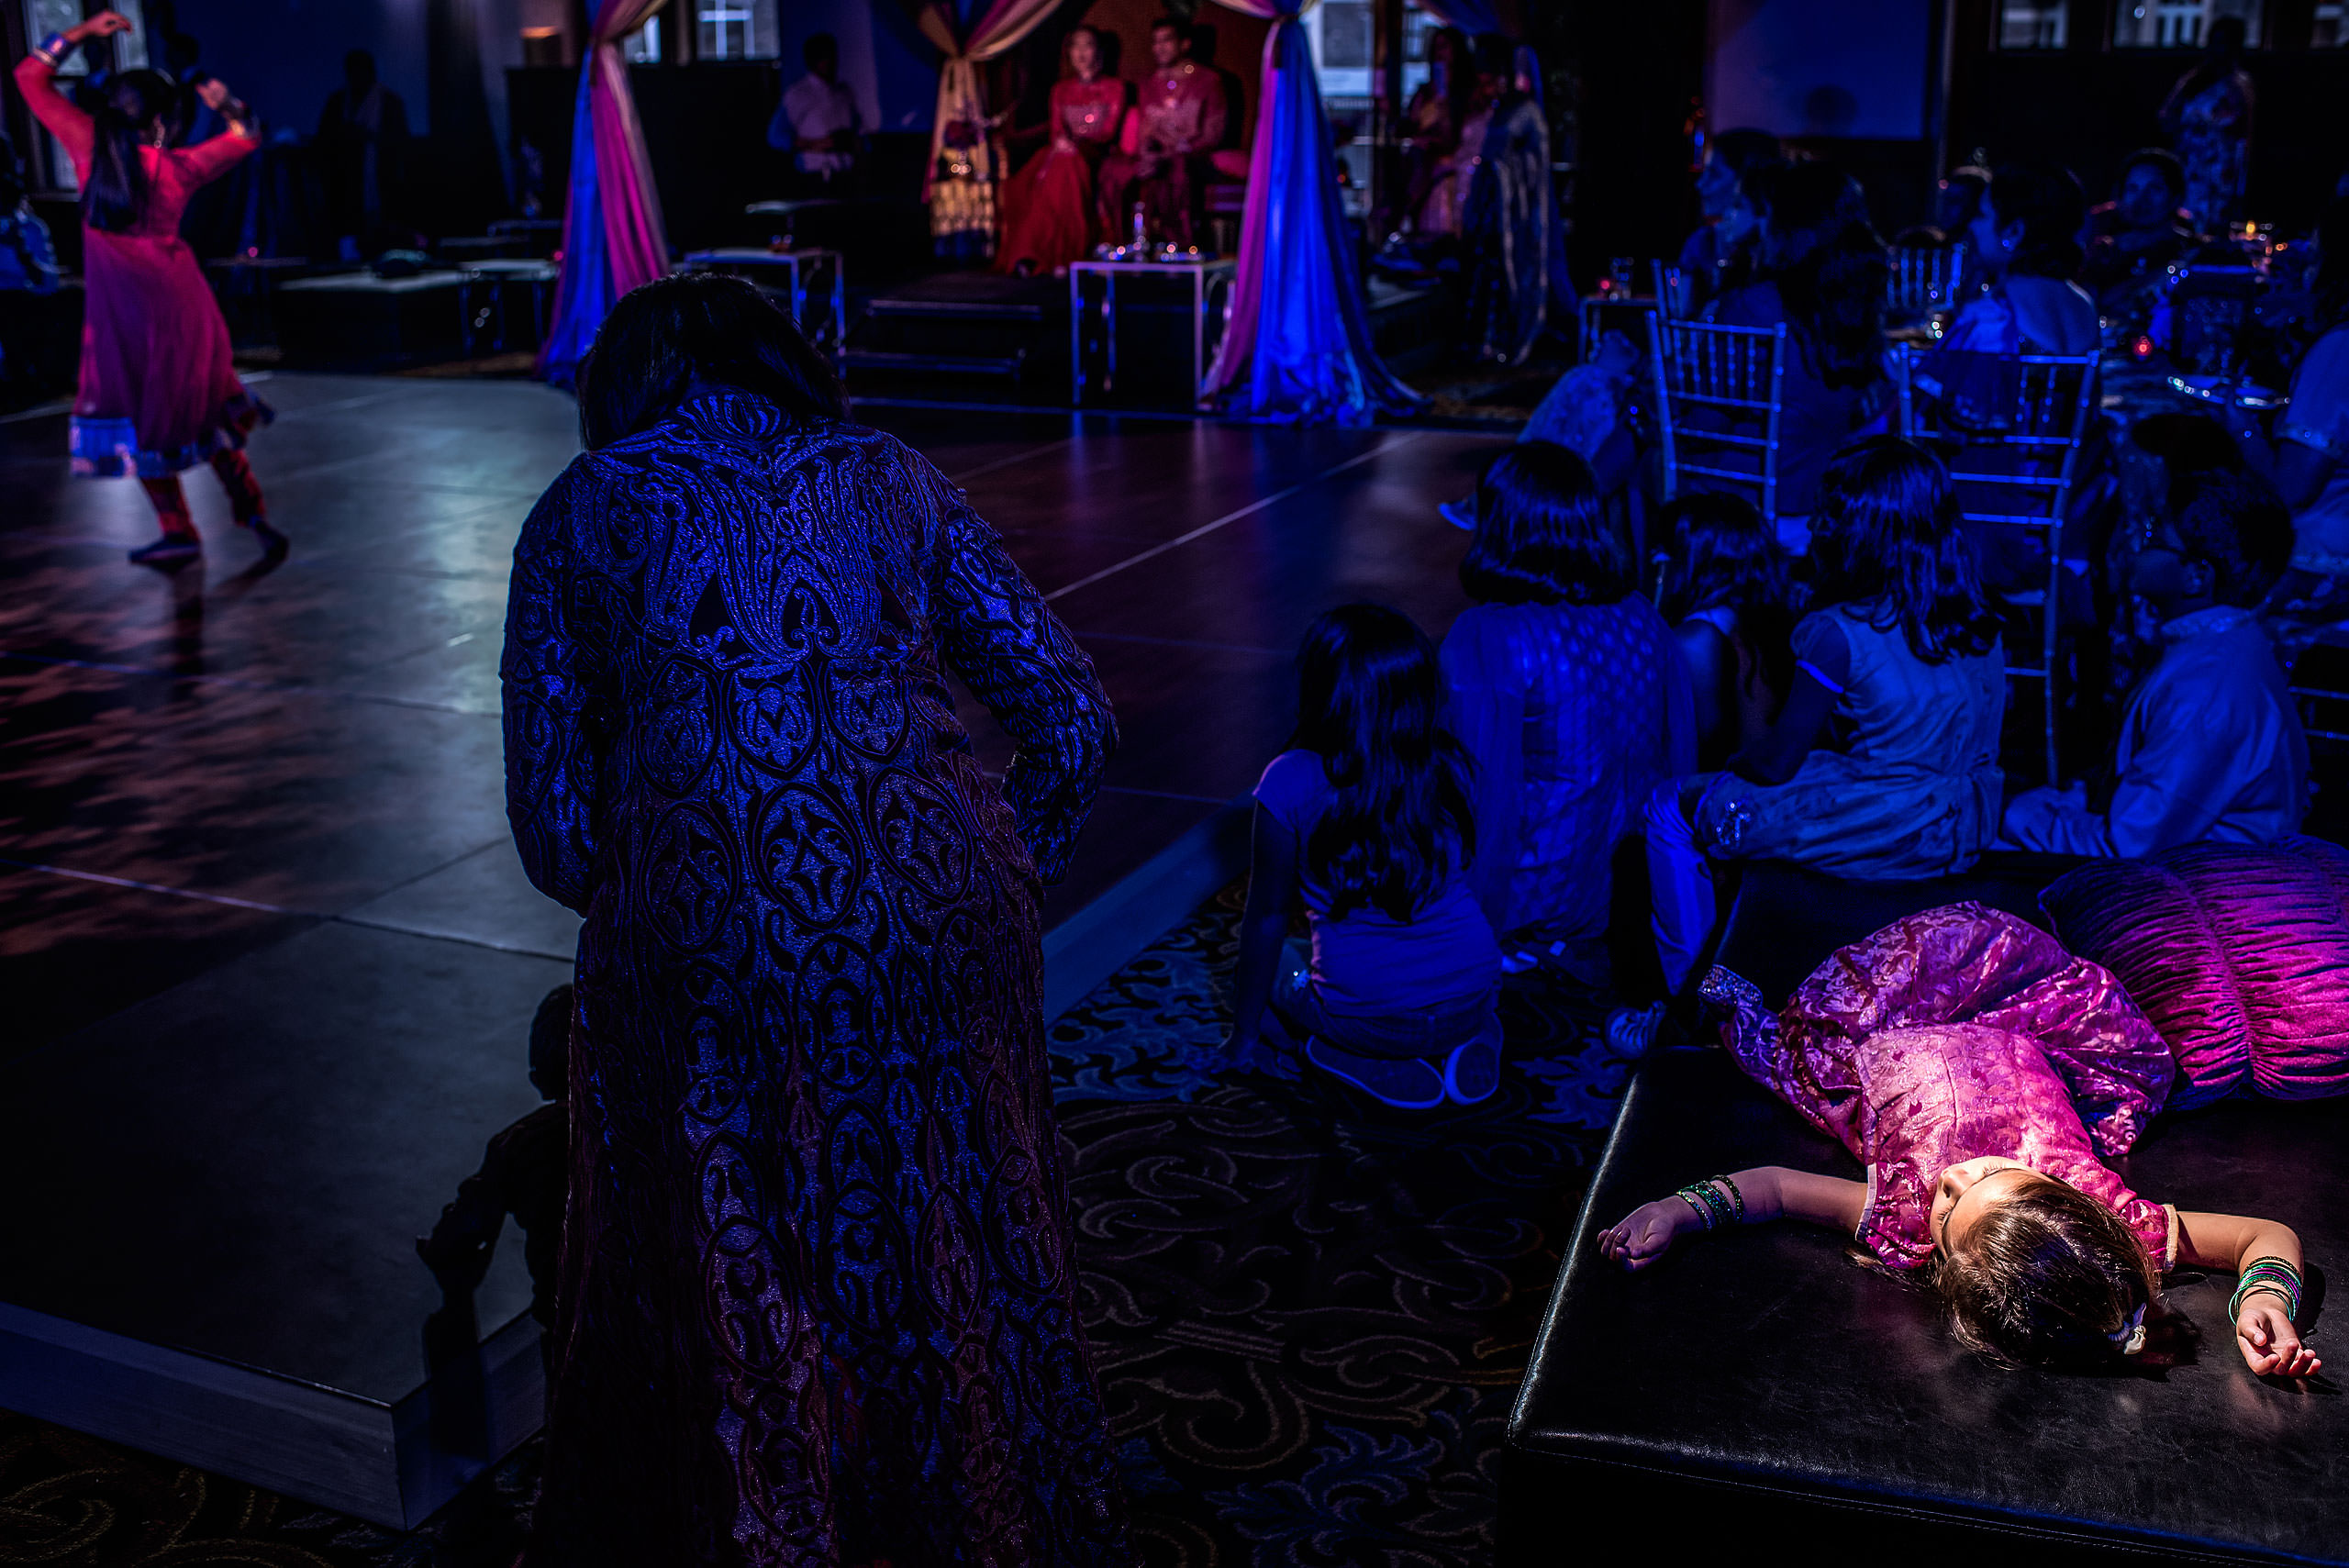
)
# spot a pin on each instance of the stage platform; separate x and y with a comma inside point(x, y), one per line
point(270, 960)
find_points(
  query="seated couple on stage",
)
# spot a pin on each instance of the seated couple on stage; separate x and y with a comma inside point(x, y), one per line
point(1106, 151)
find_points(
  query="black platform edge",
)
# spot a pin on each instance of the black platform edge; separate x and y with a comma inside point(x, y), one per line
point(1103, 937)
point(390, 1464)
point(396, 1464)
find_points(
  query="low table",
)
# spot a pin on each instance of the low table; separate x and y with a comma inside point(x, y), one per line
point(1204, 276)
point(1758, 1387)
point(810, 271)
point(357, 318)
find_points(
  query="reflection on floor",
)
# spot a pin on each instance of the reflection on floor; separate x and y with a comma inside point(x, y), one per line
point(268, 956)
point(1309, 1313)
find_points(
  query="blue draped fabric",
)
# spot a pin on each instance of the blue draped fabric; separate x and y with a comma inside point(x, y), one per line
point(1299, 349)
point(585, 296)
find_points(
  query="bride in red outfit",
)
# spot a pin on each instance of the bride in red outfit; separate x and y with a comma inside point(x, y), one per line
point(158, 391)
point(1048, 206)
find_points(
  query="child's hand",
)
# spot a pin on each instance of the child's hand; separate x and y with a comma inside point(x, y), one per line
point(2270, 1345)
point(1646, 1233)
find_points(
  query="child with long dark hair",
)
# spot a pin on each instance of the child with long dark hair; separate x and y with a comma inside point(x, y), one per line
point(1724, 591)
point(1367, 817)
point(158, 392)
point(1883, 763)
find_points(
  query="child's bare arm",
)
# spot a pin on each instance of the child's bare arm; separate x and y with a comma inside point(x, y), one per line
point(2263, 1332)
point(1771, 1191)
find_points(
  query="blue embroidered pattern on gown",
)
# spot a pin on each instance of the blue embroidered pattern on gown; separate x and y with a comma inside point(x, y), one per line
point(818, 1301)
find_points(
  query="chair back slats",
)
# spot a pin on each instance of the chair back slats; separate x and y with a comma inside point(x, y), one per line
point(2017, 469)
point(1718, 396)
point(1922, 278)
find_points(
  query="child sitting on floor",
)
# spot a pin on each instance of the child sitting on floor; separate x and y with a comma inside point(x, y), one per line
point(1723, 590)
point(1883, 763)
point(2212, 748)
point(1367, 815)
point(1982, 1075)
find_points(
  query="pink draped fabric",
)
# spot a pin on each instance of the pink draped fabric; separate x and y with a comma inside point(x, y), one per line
point(613, 238)
point(960, 102)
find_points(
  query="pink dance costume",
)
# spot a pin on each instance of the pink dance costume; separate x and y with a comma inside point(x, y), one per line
point(1955, 1033)
point(157, 391)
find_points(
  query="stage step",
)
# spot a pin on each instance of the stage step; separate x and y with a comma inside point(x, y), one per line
point(957, 336)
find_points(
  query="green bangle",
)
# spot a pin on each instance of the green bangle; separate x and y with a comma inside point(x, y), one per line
point(1704, 1214)
point(1735, 1197)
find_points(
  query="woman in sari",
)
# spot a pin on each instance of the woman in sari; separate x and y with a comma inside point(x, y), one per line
point(1048, 206)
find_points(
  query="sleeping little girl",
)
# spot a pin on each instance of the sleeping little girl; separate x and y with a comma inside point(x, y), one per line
point(1982, 1076)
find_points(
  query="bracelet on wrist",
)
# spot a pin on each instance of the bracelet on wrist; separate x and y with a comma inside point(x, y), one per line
point(2272, 1276)
point(54, 49)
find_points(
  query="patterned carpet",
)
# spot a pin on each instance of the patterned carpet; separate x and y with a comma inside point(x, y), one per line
point(1310, 1313)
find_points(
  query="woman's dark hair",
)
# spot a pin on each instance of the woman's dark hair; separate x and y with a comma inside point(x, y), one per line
point(1724, 556)
point(1370, 704)
point(2162, 162)
point(2048, 1277)
point(697, 330)
point(2237, 526)
point(1829, 269)
point(1742, 148)
point(1542, 536)
point(116, 193)
point(1101, 45)
point(1886, 535)
point(1460, 79)
point(2046, 199)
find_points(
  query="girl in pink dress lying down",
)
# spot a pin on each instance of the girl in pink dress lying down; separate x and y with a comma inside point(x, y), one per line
point(1982, 1075)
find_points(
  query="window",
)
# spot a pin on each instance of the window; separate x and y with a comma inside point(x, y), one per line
point(643, 46)
point(735, 30)
point(2329, 28)
point(2180, 24)
point(1339, 33)
point(2034, 24)
point(53, 168)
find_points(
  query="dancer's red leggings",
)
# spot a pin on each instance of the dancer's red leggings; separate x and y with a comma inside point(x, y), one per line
point(235, 477)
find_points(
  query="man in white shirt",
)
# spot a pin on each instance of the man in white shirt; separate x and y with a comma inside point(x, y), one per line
point(2210, 748)
point(817, 121)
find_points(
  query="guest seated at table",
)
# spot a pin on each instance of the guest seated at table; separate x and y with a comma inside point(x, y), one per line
point(1365, 818)
point(1048, 206)
point(1725, 594)
point(1823, 277)
point(817, 122)
point(1983, 1076)
point(1168, 144)
point(2136, 235)
point(2305, 461)
point(1883, 763)
point(2211, 747)
point(1571, 700)
point(1728, 221)
point(2027, 234)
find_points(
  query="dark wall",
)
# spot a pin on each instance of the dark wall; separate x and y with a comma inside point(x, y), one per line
point(1642, 72)
point(2090, 106)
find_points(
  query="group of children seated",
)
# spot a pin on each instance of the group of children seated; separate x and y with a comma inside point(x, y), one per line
point(1450, 815)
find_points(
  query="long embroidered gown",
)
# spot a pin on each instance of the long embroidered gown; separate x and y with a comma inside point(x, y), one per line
point(818, 1301)
point(1048, 206)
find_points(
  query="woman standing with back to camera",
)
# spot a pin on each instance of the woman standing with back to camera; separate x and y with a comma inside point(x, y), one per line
point(818, 1301)
point(159, 392)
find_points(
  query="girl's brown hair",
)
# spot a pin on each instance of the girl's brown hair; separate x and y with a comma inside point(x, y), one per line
point(2047, 1278)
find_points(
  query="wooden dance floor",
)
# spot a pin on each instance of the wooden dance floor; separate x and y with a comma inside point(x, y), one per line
point(267, 958)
